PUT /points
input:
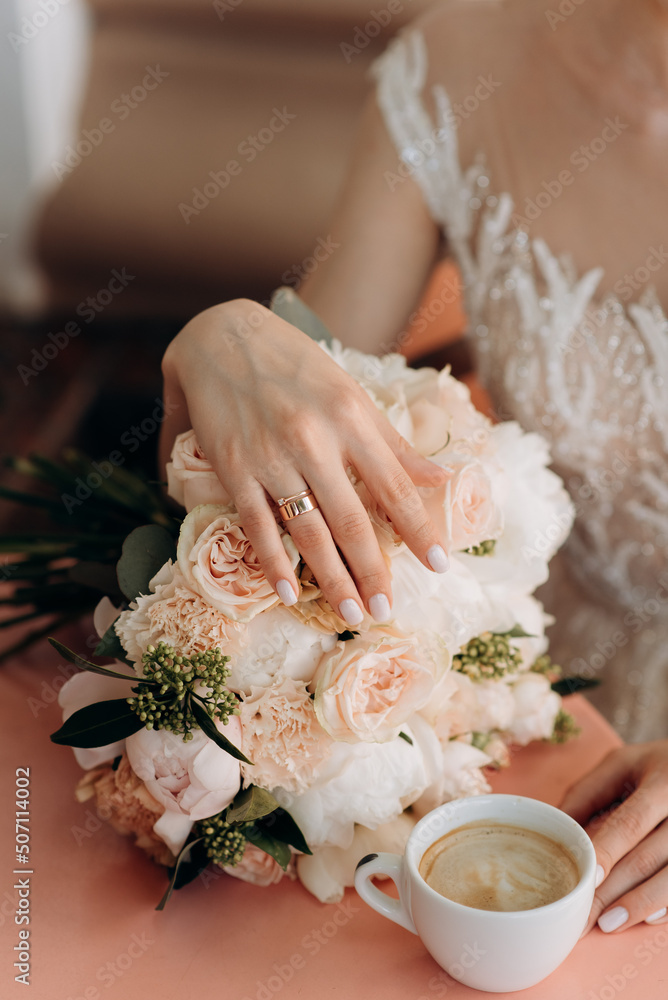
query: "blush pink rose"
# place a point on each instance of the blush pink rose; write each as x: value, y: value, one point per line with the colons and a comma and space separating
x: 471, y: 514
x: 368, y: 687
x: 219, y: 563
x: 190, y: 478
x: 259, y: 868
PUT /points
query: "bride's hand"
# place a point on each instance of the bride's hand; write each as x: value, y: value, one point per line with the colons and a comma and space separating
x: 631, y: 841
x: 274, y: 416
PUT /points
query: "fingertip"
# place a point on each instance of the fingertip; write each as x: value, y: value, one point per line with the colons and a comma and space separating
x: 438, y: 559
x: 286, y: 592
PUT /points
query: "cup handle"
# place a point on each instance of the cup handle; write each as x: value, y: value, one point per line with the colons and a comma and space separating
x: 392, y: 866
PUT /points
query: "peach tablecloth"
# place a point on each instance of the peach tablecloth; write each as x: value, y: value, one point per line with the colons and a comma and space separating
x: 94, y: 932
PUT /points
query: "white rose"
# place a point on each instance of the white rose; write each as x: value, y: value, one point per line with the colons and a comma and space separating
x: 536, y: 708
x: 276, y: 644
x: 330, y: 870
x: 192, y: 780
x: 365, y: 783
x: 85, y: 689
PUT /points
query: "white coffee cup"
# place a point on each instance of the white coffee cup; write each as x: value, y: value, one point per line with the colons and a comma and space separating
x: 496, y: 951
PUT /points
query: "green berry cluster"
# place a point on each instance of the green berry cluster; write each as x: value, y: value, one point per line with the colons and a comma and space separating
x: 224, y: 842
x: 164, y: 695
x: 544, y: 665
x: 565, y: 727
x: 487, y: 657
x: 485, y: 548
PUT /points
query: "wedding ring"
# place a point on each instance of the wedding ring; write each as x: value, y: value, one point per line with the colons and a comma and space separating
x: 297, y: 504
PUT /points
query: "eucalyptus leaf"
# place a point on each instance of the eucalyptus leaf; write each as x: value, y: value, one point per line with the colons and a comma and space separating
x: 250, y: 805
x: 287, y: 304
x: 277, y: 849
x: 98, y: 725
x: 145, y: 551
x: 94, y: 668
x: 192, y: 860
x: 208, y: 726
x: 571, y: 685
x: 281, y: 826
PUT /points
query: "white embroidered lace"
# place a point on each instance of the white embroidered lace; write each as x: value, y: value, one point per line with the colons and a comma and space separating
x: 590, y: 375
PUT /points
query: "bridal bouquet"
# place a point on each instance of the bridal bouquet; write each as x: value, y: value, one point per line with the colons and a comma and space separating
x: 272, y: 740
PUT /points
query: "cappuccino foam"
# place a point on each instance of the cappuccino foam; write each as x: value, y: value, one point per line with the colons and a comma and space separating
x: 496, y: 866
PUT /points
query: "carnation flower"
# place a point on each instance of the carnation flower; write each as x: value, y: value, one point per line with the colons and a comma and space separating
x: 369, y: 686
x: 218, y: 562
x: 175, y: 615
x: 282, y: 736
x: 190, y: 477
x: 123, y: 799
x: 259, y: 868
x: 192, y: 780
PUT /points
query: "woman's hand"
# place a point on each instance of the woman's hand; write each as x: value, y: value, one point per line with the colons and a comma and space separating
x: 631, y: 838
x: 275, y: 416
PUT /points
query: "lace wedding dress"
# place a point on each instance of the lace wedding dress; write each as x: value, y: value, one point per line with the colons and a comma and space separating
x: 589, y: 375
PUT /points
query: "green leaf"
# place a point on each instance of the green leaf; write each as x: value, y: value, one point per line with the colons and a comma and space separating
x: 516, y: 632
x: 286, y: 304
x: 277, y: 849
x: 145, y: 551
x: 94, y: 668
x: 110, y: 645
x: 192, y: 860
x: 98, y: 725
x: 281, y: 826
x: 571, y: 685
x: 405, y: 736
x: 347, y: 635
x: 251, y: 804
x: 208, y: 726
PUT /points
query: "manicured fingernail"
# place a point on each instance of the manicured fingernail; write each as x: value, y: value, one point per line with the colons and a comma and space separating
x: 613, y: 919
x: 286, y: 592
x: 659, y: 915
x: 600, y: 875
x: 350, y: 611
x: 437, y: 559
x: 379, y: 606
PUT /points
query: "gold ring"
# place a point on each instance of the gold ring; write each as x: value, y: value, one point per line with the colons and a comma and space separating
x: 290, y: 507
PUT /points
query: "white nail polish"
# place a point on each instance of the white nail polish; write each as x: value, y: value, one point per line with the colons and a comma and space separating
x: 659, y: 915
x: 613, y: 919
x: 350, y: 611
x: 600, y: 875
x: 379, y: 606
x: 286, y: 592
x: 438, y: 559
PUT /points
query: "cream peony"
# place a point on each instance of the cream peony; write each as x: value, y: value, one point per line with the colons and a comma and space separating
x: 218, y: 562
x: 367, y: 687
x: 190, y: 478
x: 536, y: 708
x: 330, y: 870
x: 191, y: 780
x: 85, y: 689
x: 458, y: 774
x: 365, y: 783
x: 282, y: 736
x: 275, y: 644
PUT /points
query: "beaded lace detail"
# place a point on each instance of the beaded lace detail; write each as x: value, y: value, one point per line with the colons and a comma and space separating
x: 589, y: 374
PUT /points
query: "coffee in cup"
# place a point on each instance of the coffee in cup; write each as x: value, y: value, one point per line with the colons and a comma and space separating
x: 497, y: 866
